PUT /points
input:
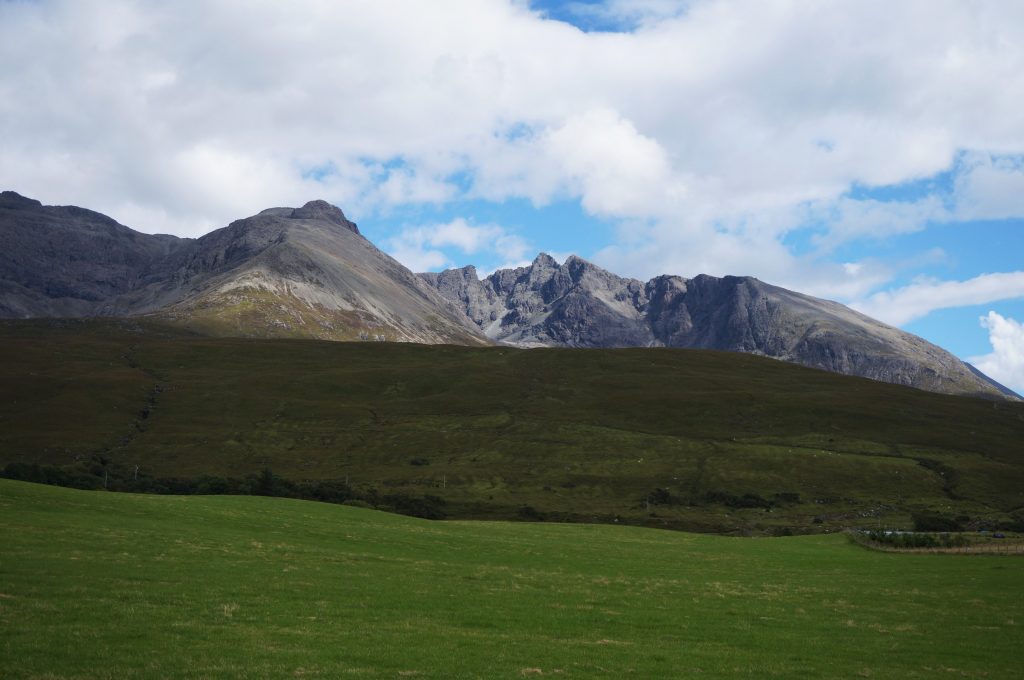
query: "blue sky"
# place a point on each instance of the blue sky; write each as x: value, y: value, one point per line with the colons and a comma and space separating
x: 865, y: 151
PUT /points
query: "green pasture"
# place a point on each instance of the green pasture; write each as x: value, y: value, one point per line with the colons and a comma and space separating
x: 115, y: 585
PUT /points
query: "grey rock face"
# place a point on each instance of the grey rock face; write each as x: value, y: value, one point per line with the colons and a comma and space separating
x: 578, y: 304
x: 68, y: 261
x: 463, y: 287
x: 303, y: 272
x: 573, y: 305
x: 324, y: 211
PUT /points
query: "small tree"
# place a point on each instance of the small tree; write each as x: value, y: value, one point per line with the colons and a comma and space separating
x: 266, y: 483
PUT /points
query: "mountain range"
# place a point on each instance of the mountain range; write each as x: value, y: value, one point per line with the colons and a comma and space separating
x: 308, y: 272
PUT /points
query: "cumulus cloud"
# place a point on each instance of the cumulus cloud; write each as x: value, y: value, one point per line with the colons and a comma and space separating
x: 597, y: 156
x: 762, y: 104
x: 699, y: 249
x: 990, y: 188
x: 423, y: 248
x: 851, y: 219
x: 1006, y: 361
x: 917, y: 300
x: 710, y: 131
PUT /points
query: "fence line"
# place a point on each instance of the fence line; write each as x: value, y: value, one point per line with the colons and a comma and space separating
x: 976, y: 549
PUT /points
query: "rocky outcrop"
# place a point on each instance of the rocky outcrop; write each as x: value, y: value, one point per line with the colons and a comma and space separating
x: 578, y: 304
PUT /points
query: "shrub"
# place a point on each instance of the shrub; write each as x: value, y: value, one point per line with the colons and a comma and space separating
x: 34, y: 472
x: 530, y: 514
x: 1015, y: 523
x: 427, y: 507
x: 327, y: 491
x: 213, y: 485
x: 929, y: 522
x: 747, y: 500
x: 265, y: 483
x: 92, y: 473
x: 660, y: 497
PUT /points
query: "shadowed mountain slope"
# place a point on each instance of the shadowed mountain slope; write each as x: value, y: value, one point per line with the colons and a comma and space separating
x: 66, y: 261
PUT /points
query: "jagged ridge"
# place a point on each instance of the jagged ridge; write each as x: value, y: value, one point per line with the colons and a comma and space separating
x: 578, y: 304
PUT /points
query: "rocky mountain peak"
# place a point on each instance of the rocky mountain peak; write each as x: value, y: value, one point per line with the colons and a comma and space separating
x: 467, y: 273
x: 322, y: 210
x: 544, y: 261
x: 12, y: 199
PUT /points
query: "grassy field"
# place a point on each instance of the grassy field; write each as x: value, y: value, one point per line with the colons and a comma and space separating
x: 105, y: 585
x: 566, y: 435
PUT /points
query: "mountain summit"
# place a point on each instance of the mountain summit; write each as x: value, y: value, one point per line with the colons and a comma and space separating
x: 308, y: 272
x: 323, y: 211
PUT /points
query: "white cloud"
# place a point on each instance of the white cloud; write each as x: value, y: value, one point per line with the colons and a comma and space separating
x: 748, y: 106
x: 403, y: 185
x: 990, y: 188
x: 710, y: 132
x: 917, y: 300
x: 417, y: 258
x: 690, y: 250
x: 849, y: 219
x: 613, y: 168
x: 1006, y: 361
x: 596, y: 156
x: 420, y: 248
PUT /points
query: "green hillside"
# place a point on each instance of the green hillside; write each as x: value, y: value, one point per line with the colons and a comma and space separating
x: 106, y: 585
x: 676, y: 438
